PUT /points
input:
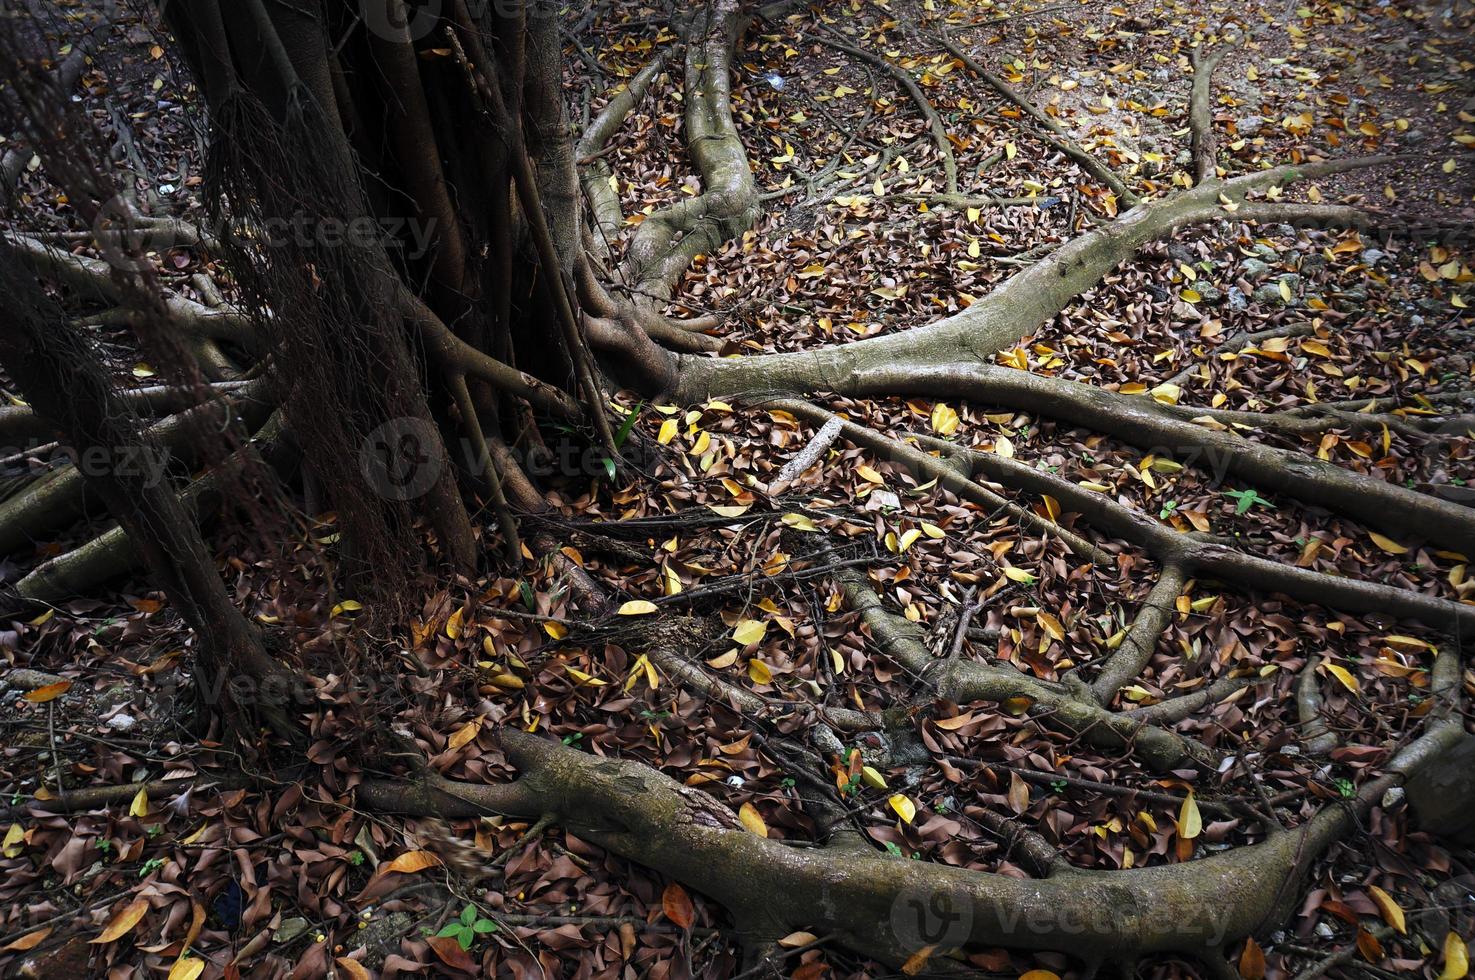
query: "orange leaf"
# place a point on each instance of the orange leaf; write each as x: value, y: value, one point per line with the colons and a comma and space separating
x: 917, y: 962
x: 677, y: 905
x: 1252, y: 961
x: 410, y: 862
x: 353, y: 969
x: 123, y: 922
x: 29, y: 941
x: 1369, y: 947
x: 48, y: 693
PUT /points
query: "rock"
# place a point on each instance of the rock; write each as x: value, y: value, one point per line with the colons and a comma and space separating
x: 1179, y: 253
x: 122, y: 722
x: 1267, y: 253
x: 1271, y: 294
x: 1372, y: 256
x: 289, y: 930
x: 1250, y: 125
x: 1254, y: 269
x: 1443, y: 794
x: 1414, y: 137
x: 1212, y: 295
x: 1237, y: 299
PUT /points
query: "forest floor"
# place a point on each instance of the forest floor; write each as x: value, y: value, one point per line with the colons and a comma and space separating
x: 291, y: 879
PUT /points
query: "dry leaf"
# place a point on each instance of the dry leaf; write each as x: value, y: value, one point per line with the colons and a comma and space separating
x: 677, y: 905
x: 123, y: 922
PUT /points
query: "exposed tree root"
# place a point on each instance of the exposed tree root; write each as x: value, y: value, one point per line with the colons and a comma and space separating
x: 1200, y: 115
x: 1172, y: 429
x: 1206, y: 556
x: 924, y: 105
x: 1011, y: 312
x: 1195, y: 909
x: 604, y: 202
x: 1054, y: 135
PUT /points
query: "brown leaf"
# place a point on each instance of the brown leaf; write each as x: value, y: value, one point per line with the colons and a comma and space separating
x: 449, y: 952
x: 677, y: 905
x: 1369, y: 947
x: 1018, y: 793
x: 1252, y: 961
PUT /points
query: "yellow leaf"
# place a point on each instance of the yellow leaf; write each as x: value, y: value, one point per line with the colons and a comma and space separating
x: 749, y: 631
x: 758, y: 672
x: 637, y: 607
x: 904, y: 807
x: 1456, y: 958
x: 465, y: 734
x: 347, y: 605
x: 587, y: 680
x: 1387, y: 544
x: 186, y: 968
x: 1018, y: 575
x: 799, y: 522
x: 13, y: 838
x: 1039, y: 975
x: 1344, y: 675
x: 453, y: 625
x: 872, y: 777
x: 1167, y: 394
x: 749, y: 817
x: 1051, y: 625
x: 1191, y: 295
x: 140, y: 805
x: 1391, y: 911
x: 1003, y: 447
x: 669, y: 428
x: 50, y: 692
x: 123, y: 922
x: 908, y: 539
x: 869, y: 475
x: 556, y: 630
x: 933, y: 531
x: 1190, y: 822
x: 944, y: 420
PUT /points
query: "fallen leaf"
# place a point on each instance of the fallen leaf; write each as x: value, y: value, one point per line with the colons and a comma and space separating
x: 637, y: 607
x: 749, y: 817
x: 50, y: 692
x: 677, y: 905
x: 123, y: 922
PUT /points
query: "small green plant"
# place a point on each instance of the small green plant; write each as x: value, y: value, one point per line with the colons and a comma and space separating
x: 1169, y: 509
x: 1057, y: 786
x: 150, y: 866
x: 470, y: 925
x: 1345, y: 787
x: 356, y: 858
x: 573, y: 739
x: 1245, y: 499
